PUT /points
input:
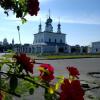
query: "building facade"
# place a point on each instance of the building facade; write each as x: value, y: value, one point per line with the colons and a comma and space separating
x: 26, y: 48
x: 5, y: 42
x: 95, y: 47
x: 48, y: 41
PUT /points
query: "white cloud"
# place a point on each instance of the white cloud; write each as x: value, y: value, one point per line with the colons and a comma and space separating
x: 28, y: 17
x: 82, y: 20
x: 1, y: 10
x: 64, y: 19
x: 4, y: 30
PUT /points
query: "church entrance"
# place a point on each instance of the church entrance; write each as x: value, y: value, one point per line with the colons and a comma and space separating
x: 61, y: 50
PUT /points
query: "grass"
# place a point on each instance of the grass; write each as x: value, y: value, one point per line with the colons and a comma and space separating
x: 70, y: 56
x: 57, y: 56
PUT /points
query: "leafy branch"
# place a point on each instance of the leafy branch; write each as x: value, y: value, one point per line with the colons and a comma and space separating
x: 20, y: 7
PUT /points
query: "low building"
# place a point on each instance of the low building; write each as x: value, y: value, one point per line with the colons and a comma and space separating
x: 5, y: 42
x: 96, y: 47
x: 77, y: 49
x: 0, y: 42
x: 26, y: 48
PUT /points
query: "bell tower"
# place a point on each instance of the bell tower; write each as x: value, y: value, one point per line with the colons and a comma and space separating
x: 40, y: 27
x: 48, y: 26
x: 59, y: 27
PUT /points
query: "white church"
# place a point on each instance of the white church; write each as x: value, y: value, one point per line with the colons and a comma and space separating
x: 48, y: 41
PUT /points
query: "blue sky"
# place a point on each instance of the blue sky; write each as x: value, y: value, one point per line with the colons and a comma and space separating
x: 80, y: 20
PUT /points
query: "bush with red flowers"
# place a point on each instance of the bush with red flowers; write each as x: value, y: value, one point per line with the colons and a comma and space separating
x: 25, y: 62
x: 46, y: 72
x: 73, y: 71
x: 20, y: 72
x: 71, y: 88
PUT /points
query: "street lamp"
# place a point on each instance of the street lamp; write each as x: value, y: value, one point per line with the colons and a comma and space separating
x: 18, y: 28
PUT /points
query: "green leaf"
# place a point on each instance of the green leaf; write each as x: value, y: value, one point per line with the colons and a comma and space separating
x: 1, y: 66
x: 36, y: 78
x: 23, y: 20
x: 21, y: 2
x: 20, y: 68
x: 13, y: 83
x: 25, y: 13
x: 8, y: 97
x: 49, y: 96
x: 31, y: 91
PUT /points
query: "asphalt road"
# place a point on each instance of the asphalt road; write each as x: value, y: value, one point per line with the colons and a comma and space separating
x: 84, y: 65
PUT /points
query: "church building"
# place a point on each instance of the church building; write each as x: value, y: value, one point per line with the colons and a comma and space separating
x: 48, y: 41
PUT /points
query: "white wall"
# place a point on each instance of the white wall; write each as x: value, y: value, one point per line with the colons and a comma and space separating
x: 96, y: 47
x: 44, y: 37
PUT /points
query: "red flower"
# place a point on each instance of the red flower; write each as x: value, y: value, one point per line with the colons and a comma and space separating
x: 73, y: 71
x: 33, y: 7
x: 25, y: 62
x: 71, y: 91
x: 1, y: 96
x: 46, y: 72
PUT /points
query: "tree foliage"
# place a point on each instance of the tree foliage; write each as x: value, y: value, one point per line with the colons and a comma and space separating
x: 20, y: 7
x: 19, y: 78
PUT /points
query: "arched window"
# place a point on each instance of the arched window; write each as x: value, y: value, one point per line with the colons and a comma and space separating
x: 49, y: 40
x: 96, y: 50
x: 55, y: 40
x: 60, y: 40
x: 41, y: 40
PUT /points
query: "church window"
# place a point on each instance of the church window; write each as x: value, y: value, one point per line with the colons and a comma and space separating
x: 29, y: 49
x: 65, y: 48
x: 49, y: 40
x: 41, y: 40
x: 60, y: 40
x: 55, y: 40
x: 96, y: 50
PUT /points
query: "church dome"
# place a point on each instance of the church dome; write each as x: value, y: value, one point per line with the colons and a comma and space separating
x: 49, y: 20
